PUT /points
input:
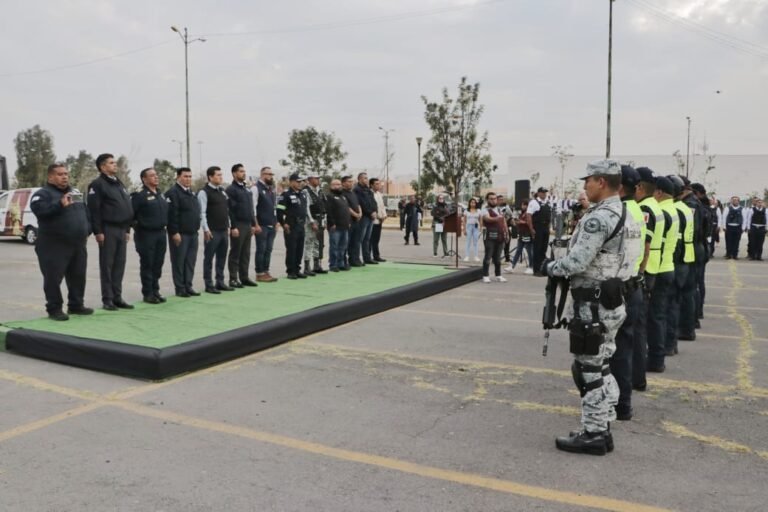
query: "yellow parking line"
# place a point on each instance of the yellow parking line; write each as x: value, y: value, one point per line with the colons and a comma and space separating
x: 718, y: 442
x: 468, y: 315
x: 50, y: 420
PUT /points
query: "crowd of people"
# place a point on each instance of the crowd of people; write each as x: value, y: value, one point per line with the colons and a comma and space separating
x: 230, y: 219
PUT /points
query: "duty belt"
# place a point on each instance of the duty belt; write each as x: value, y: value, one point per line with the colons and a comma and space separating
x: 585, y: 294
x: 758, y: 225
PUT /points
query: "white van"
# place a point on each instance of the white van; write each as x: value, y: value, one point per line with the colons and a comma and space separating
x: 16, y: 218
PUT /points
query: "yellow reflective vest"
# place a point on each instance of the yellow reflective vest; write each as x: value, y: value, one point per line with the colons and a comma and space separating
x: 634, y: 210
x: 686, y: 237
x: 670, y: 238
x: 657, y: 235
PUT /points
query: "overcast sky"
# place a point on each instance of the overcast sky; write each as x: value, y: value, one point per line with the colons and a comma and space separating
x: 350, y: 66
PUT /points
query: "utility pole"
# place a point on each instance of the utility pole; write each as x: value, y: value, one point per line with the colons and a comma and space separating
x: 418, y: 166
x: 688, y: 147
x: 386, y: 158
x: 610, y: 57
x: 185, y: 39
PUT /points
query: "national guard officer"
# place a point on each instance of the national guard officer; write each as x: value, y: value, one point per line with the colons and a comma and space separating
x: 313, y: 227
x: 63, y: 229
x: 111, y: 217
x: 292, y: 214
x: 242, y: 219
x: 603, y: 252
x: 183, y: 227
x: 150, y: 210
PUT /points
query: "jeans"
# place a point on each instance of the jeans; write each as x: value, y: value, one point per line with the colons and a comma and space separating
x: 528, y: 246
x: 216, y: 248
x: 473, y: 235
x: 493, y: 250
x: 264, y: 243
x: 366, y: 228
x: 339, y: 239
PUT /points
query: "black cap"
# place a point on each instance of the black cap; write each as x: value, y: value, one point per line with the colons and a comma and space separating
x: 699, y: 188
x: 541, y: 189
x: 296, y: 177
x: 665, y: 185
x: 629, y: 176
x: 646, y: 175
x: 677, y: 183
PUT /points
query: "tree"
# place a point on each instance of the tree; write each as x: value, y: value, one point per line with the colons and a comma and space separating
x: 456, y: 153
x: 535, y: 175
x: 124, y: 172
x: 82, y: 169
x: 679, y: 161
x: 166, y: 173
x: 426, y: 185
x: 310, y: 150
x: 34, y: 153
x: 563, y: 154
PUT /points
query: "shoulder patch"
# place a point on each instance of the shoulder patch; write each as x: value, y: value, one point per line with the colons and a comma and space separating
x: 92, y: 191
x: 592, y: 225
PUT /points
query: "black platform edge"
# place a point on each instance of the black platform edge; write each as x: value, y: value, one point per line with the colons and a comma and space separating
x: 156, y: 364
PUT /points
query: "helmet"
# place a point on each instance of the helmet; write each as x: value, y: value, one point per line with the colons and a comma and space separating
x: 678, y: 183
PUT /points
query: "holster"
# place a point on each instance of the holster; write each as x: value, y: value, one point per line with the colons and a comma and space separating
x: 586, y: 336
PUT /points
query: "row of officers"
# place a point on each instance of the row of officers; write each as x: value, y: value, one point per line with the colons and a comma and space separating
x: 229, y: 219
x: 636, y: 267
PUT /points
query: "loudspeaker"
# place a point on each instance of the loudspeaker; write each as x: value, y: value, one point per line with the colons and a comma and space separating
x: 522, y: 191
x: 5, y: 183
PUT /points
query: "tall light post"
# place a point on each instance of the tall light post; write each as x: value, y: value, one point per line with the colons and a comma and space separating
x: 418, y: 166
x: 610, y: 57
x: 180, y: 143
x: 200, y: 148
x: 185, y: 39
x: 386, y: 160
x: 688, y: 146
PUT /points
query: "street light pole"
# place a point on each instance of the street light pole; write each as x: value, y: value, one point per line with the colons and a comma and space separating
x: 180, y: 143
x: 386, y: 160
x: 688, y: 146
x: 185, y: 39
x: 418, y: 166
x: 610, y: 59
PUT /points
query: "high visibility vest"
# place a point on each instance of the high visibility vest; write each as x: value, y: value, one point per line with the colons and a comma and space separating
x: 689, y: 255
x: 657, y: 236
x: 634, y: 209
x: 670, y: 241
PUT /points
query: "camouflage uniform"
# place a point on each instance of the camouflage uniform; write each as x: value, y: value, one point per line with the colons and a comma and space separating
x: 592, y: 259
x: 311, y: 243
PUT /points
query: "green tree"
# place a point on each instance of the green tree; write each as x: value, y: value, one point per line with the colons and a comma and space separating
x: 124, y: 172
x: 82, y: 169
x: 426, y: 185
x: 310, y: 150
x: 34, y: 153
x: 166, y: 173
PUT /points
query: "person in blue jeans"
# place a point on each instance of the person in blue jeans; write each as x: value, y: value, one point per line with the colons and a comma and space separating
x: 472, y: 229
x: 339, y: 217
x: 264, y: 201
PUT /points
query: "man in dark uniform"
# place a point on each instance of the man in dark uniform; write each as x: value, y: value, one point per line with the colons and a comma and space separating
x: 756, y: 230
x: 733, y: 220
x: 292, y: 214
x: 313, y: 227
x: 63, y: 229
x: 150, y: 211
x: 709, y: 222
x: 541, y: 214
x: 214, y: 219
x: 356, y: 213
x: 183, y: 225
x: 111, y: 218
x: 689, y: 306
x: 242, y: 220
x: 412, y: 213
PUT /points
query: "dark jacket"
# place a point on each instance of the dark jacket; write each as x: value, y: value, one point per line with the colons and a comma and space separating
x: 183, y: 211
x: 150, y: 210
x: 411, y: 212
x: 292, y: 208
x: 240, y: 204
x: 439, y: 213
x: 337, y: 209
x: 366, y: 200
x: 54, y: 221
x: 352, y: 201
x: 265, y: 205
x: 109, y: 203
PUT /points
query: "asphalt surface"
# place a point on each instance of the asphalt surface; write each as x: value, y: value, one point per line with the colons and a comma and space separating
x: 442, y: 404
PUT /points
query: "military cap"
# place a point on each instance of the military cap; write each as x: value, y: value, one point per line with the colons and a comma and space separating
x: 699, y: 188
x: 665, y: 185
x: 606, y: 167
x: 646, y: 175
x: 296, y: 177
x: 313, y: 175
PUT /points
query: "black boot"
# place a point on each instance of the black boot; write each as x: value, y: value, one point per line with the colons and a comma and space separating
x: 584, y: 442
x: 318, y: 267
x: 307, y: 269
x: 608, y: 438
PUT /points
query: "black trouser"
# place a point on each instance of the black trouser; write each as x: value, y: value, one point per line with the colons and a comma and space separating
x: 217, y: 246
x: 59, y: 260
x: 640, y: 354
x: 183, y: 259
x: 375, y: 239
x: 320, y: 234
x: 112, y: 263
x: 657, y: 318
x: 151, y: 246
x: 402, y: 221
x: 493, y: 248
x: 294, y: 248
x: 756, y: 241
x: 732, y: 240
x: 675, y: 304
x: 540, y: 242
x: 686, y: 325
x: 355, y: 241
x: 701, y: 287
x: 240, y: 252
x: 412, y: 226
x: 627, y: 345
x: 506, y: 247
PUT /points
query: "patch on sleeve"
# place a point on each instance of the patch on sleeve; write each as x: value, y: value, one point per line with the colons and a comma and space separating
x: 592, y: 225
x: 91, y: 192
x: 36, y: 198
x: 646, y: 216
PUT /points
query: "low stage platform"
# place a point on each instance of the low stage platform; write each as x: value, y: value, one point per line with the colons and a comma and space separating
x: 159, y: 341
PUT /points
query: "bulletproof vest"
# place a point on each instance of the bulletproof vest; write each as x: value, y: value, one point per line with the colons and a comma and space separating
x: 316, y: 203
x: 543, y: 217
x: 657, y: 236
x: 634, y: 210
x: 265, y: 207
x: 670, y: 237
x: 217, y: 210
x: 758, y: 217
x: 686, y: 237
x: 734, y: 216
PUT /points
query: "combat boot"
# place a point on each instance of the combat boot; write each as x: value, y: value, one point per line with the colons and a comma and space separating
x: 308, y: 269
x: 607, y: 434
x: 319, y: 267
x: 584, y: 442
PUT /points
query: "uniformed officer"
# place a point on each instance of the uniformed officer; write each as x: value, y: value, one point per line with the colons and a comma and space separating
x: 733, y: 224
x: 630, y: 338
x: 150, y: 211
x: 314, y: 226
x: 214, y: 219
x: 183, y: 227
x: 603, y: 253
x: 541, y: 214
x: 694, y: 251
x: 755, y: 224
x: 111, y: 218
x: 708, y: 219
x: 684, y: 259
x: 63, y: 229
x: 242, y: 219
x: 292, y: 215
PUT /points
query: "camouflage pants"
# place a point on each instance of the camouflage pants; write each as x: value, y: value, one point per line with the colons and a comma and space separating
x: 311, y: 243
x: 597, y: 405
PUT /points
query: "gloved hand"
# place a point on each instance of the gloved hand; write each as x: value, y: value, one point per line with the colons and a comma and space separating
x: 544, y: 271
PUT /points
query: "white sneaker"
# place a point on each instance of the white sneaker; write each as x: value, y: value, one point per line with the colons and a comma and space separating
x: 529, y: 271
x: 466, y: 258
x: 486, y: 279
x: 501, y: 279
x: 509, y: 269
x: 477, y: 259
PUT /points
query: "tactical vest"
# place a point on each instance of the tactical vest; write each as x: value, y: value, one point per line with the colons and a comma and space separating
x: 217, y: 209
x: 634, y: 210
x: 543, y: 216
x: 657, y: 236
x: 316, y: 204
x: 689, y: 256
x: 265, y: 207
x: 734, y: 216
x: 758, y: 217
x: 670, y: 240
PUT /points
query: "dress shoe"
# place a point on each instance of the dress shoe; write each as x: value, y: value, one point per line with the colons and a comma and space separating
x: 151, y: 299
x: 416, y: 243
x: 334, y: 269
x: 184, y: 295
x: 640, y: 387
x: 59, y: 316
x: 344, y: 268
x: 301, y: 275
x: 82, y: 310
x: 356, y: 264
x: 656, y: 369
x: 193, y: 293
x: 380, y: 260
x: 608, y: 438
x: 308, y: 272
x: 292, y: 276
x: 584, y: 442
x: 248, y: 282
x: 224, y: 288
x: 160, y: 298
x: 213, y: 290
x: 406, y: 242
x: 319, y: 270
x: 122, y: 304
x: 109, y: 306
x: 371, y: 262
x: 687, y: 337
x: 235, y: 284
x: 266, y: 278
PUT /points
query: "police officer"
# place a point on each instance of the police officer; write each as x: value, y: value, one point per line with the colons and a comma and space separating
x: 708, y: 219
x: 150, y: 211
x: 111, y: 218
x: 755, y: 224
x: 733, y: 224
x: 214, y: 219
x: 630, y: 338
x: 684, y: 259
x: 541, y: 214
x: 694, y: 250
x: 292, y: 214
x: 603, y: 253
x: 314, y: 226
x: 63, y: 229
x: 183, y: 227
x: 242, y: 219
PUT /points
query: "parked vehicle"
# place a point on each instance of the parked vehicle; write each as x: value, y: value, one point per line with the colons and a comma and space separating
x: 16, y: 217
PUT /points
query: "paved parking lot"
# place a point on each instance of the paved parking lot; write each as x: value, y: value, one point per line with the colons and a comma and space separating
x: 442, y: 404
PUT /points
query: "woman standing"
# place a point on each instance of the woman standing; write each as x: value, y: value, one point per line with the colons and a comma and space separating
x: 472, y: 229
x: 439, y: 213
x: 525, y: 234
